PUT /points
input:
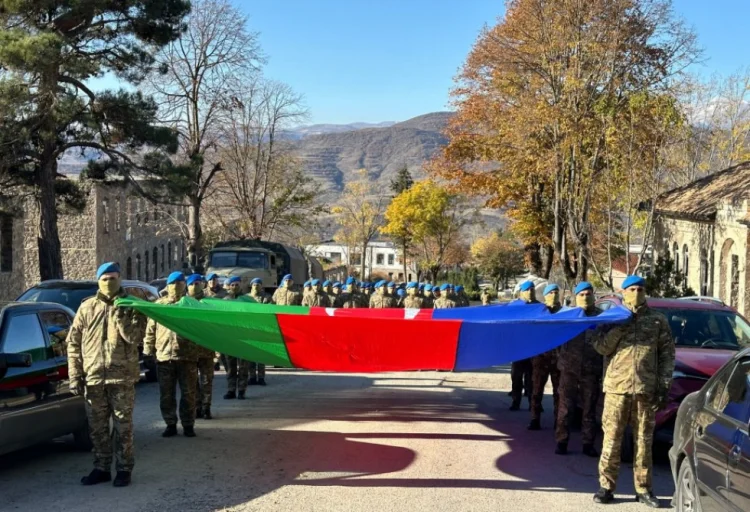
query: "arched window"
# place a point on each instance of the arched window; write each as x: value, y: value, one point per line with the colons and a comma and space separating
x: 117, y: 214
x: 685, y: 259
x: 156, y: 212
x: 146, y: 266
x: 129, y: 268
x: 138, y: 267
x: 155, y: 263
x: 705, y: 274
x: 105, y: 215
x: 163, y: 258
x: 676, y: 252
x: 169, y: 254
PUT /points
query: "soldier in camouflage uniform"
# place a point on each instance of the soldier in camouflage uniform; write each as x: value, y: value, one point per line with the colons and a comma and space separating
x: 102, y: 348
x: 443, y: 301
x: 257, y: 371
x: 428, y: 302
x: 462, y: 301
x: 177, y: 363
x: 328, y: 290
x: 521, y: 371
x: 413, y: 300
x: 381, y: 300
x: 350, y: 298
x: 205, y: 387
x: 285, y: 295
x: 335, y: 292
x: 214, y: 289
x: 237, y: 369
x: 316, y: 298
x: 640, y: 360
x: 486, y: 297
x: 580, y: 376
x: 544, y: 366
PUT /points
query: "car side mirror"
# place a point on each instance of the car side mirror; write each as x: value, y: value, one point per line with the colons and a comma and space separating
x: 15, y: 361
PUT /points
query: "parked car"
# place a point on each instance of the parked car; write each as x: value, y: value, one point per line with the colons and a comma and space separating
x: 35, y: 401
x: 710, y: 456
x: 706, y: 335
x: 72, y: 293
x: 705, y: 298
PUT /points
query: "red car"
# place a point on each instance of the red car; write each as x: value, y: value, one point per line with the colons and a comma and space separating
x: 707, y: 335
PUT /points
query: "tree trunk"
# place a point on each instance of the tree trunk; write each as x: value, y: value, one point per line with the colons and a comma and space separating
x: 48, y: 242
x: 196, y: 234
x: 547, y: 257
x: 533, y: 258
x: 364, y: 261
x: 403, y: 247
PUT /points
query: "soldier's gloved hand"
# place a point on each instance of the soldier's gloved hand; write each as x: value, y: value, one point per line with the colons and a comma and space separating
x: 76, y: 387
x: 661, y: 401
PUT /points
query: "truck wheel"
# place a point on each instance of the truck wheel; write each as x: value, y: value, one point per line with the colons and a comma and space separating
x: 82, y: 439
x: 627, y: 450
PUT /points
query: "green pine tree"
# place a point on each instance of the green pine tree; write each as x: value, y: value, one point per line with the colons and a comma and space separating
x: 403, y: 181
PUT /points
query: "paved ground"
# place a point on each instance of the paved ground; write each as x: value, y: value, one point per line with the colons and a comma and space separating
x: 331, y: 442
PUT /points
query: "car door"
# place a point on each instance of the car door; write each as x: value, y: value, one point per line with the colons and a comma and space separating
x: 739, y: 454
x: 24, y: 392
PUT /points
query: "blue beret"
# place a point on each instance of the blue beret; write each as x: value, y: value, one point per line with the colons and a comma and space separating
x: 210, y: 276
x: 400, y: 292
x: 337, y: 285
x: 391, y: 285
x: 233, y: 279
x: 326, y: 283
x: 287, y: 277
x: 411, y: 285
x: 421, y: 286
x: 175, y: 277
x: 633, y: 281
x: 256, y: 280
x: 526, y: 286
x: 194, y: 278
x: 350, y: 280
x: 444, y: 287
x: 551, y: 288
x: 106, y: 268
x: 315, y: 282
x: 459, y: 288
x: 307, y: 283
x: 583, y: 285
x: 379, y: 284
x: 428, y: 287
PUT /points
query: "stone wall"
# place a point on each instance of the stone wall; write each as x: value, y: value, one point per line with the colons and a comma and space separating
x: 12, y: 282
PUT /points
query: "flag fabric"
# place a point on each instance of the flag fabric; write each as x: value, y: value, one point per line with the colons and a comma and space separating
x: 373, y: 340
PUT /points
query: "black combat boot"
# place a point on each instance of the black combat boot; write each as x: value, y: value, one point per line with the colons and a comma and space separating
x: 230, y: 395
x: 240, y: 395
x: 261, y: 382
x: 252, y: 381
x: 534, y: 425
x: 603, y: 496
x: 122, y: 479
x: 207, y: 413
x: 97, y: 476
x: 562, y: 449
x: 648, y: 499
x: 516, y: 405
x: 588, y: 449
x: 199, y: 412
x: 188, y: 431
x: 170, y: 431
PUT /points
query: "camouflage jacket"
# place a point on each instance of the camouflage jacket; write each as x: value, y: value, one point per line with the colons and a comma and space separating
x: 413, y: 302
x: 203, y: 352
x: 349, y: 300
x: 486, y: 299
x: 286, y: 297
x: 103, y: 343
x: 462, y: 301
x: 578, y: 355
x: 640, y: 354
x: 166, y: 345
x: 219, y: 293
x: 382, y: 302
x: 260, y: 298
x: 444, y: 303
x: 316, y: 300
x: 428, y: 302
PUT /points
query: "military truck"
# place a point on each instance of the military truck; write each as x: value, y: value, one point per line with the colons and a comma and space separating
x: 249, y: 259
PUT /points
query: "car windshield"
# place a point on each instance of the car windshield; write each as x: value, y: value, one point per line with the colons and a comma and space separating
x: 246, y: 259
x: 708, y: 328
x: 70, y: 297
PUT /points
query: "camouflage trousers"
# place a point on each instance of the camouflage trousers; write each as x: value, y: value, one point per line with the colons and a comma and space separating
x: 544, y: 366
x: 257, y: 370
x: 172, y: 374
x: 237, y: 370
x: 619, y: 412
x: 205, y: 388
x: 115, y: 402
x: 520, y: 377
x: 587, y: 386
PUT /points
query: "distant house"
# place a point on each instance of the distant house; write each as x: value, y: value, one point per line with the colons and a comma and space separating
x: 620, y: 269
x: 704, y: 228
x: 381, y: 258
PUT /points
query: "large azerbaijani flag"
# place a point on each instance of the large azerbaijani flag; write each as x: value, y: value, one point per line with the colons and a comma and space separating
x: 373, y: 340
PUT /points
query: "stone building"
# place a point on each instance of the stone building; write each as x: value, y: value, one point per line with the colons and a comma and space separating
x: 704, y: 227
x: 116, y: 225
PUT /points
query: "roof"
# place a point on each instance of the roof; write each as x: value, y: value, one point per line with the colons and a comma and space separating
x: 699, y: 200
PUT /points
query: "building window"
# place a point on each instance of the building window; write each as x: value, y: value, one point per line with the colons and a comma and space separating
x: 335, y: 257
x: 685, y: 260
x: 169, y: 253
x: 391, y: 259
x: 155, y: 263
x: 146, y: 266
x: 705, y: 275
x: 401, y: 276
x: 129, y: 268
x: 676, y: 252
x: 356, y: 259
x: 105, y: 215
x: 6, y: 243
x: 163, y: 258
x: 138, y: 267
x: 379, y: 259
x: 117, y: 214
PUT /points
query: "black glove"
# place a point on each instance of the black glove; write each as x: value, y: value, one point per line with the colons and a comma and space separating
x: 662, y: 398
x: 76, y: 387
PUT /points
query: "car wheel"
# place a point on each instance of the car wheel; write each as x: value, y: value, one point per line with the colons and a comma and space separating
x: 82, y: 439
x: 627, y: 449
x: 688, y: 498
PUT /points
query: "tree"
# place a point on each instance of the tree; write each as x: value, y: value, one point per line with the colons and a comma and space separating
x: 427, y: 214
x: 498, y: 256
x: 667, y: 281
x: 403, y: 182
x: 48, y: 51
x: 199, y: 76
x: 360, y: 215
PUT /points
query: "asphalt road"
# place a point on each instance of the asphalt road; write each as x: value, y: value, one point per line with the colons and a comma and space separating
x: 421, y: 441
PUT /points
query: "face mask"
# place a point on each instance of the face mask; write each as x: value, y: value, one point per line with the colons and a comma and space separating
x: 288, y: 284
x: 234, y: 289
x: 110, y: 287
x: 195, y: 289
x: 316, y: 288
x: 255, y: 289
x: 336, y: 291
x: 176, y: 290
x: 411, y: 292
x: 634, y: 297
x: 350, y: 288
x: 552, y: 299
x: 584, y: 301
x: 527, y: 296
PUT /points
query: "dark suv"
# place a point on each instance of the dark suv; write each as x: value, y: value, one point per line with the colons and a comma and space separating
x: 72, y: 293
x: 35, y: 401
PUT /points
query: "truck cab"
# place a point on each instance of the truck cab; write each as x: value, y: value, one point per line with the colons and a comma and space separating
x: 245, y: 262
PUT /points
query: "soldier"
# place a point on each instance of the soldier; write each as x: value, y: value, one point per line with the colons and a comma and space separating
x: 328, y: 289
x: 336, y: 291
x: 401, y: 294
x: 390, y: 289
x: 177, y: 364
x: 640, y: 360
x: 205, y: 386
x: 367, y: 290
x: 316, y: 297
x: 462, y: 301
x: 580, y: 375
x: 443, y: 302
x: 306, y: 289
x: 237, y: 369
x: 257, y: 371
x: 214, y: 289
x: 428, y: 302
x: 436, y: 293
x: 349, y: 298
x: 544, y: 366
x: 485, y: 296
x: 413, y: 300
x: 381, y: 299
x: 103, y: 366
x: 521, y: 371
x: 285, y: 295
